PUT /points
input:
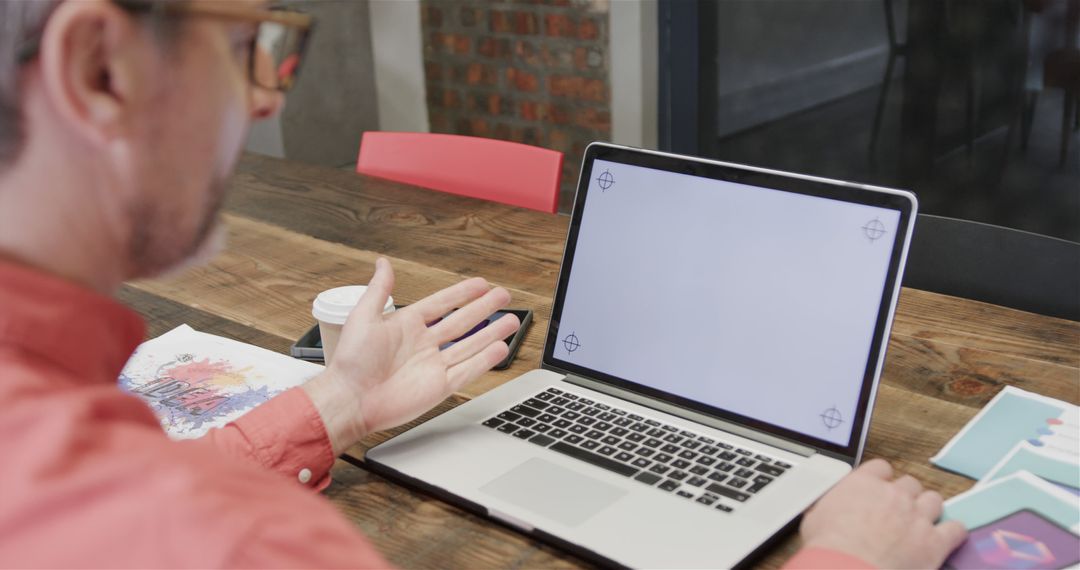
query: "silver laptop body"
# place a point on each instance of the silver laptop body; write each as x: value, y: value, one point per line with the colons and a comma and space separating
x: 715, y: 345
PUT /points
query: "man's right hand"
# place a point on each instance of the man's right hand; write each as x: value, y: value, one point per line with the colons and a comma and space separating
x: 886, y: 522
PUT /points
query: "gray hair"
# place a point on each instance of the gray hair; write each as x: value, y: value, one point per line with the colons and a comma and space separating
x: 20, y: 22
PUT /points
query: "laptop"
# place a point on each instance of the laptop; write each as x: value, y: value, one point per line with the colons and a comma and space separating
x: 715, y: 344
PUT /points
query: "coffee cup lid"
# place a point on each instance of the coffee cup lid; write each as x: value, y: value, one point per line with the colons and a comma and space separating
x: 333, y: 305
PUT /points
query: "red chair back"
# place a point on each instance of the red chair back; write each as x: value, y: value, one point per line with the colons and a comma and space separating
x: 501, y: 171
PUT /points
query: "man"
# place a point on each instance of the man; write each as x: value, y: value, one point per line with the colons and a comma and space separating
x: 119, y: 122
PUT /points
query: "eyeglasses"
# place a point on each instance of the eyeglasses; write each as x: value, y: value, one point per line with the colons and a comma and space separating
x: 277, y: 48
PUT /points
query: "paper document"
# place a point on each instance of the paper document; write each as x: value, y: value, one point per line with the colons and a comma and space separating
x: 196, y: 381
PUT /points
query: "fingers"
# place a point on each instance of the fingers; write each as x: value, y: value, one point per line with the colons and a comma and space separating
x: 951, y: 535
x: 928, y: 503
x: 472, y: 368
x: 382, y: 283
x: 464, y: 319
x: 878, y: 468
x: 909, y: 485
x: 441, y: 302
x: 495, y: 332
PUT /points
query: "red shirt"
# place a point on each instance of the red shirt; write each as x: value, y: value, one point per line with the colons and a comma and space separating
x: 90, y: 479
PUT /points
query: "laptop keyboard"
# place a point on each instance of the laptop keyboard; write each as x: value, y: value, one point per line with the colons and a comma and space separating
x: 712, y: 473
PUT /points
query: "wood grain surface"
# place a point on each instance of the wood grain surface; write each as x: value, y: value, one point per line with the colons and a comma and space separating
x: 295, y: 230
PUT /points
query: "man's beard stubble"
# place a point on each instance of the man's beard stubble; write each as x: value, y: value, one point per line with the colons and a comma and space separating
x: 154, y: 250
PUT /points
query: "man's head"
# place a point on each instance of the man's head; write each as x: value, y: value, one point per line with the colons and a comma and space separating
x: 144, y: 103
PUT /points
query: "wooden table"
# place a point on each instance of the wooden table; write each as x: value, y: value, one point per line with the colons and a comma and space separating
x: 298, y: 229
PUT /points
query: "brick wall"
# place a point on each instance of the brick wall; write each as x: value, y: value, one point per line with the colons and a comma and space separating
x: 530, y: 71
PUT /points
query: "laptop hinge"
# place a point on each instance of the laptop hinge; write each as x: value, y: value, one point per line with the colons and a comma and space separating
x: 692, y: 416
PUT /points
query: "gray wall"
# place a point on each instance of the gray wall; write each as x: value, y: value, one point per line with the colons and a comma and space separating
x: 778, y: 57
x: 334, y: 100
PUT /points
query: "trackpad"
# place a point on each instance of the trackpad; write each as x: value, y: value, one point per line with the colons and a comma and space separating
x: 554, y: 492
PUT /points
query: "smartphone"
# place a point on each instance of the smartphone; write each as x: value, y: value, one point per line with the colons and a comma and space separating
x: 309, y: 346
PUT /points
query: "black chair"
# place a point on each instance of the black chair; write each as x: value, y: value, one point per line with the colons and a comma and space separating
x: 1003, y: 266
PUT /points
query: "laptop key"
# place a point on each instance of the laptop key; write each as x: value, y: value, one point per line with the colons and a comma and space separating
x: 602, y: 426
x: 645, y: 451
x: 534, y: 403
x: 558, y: 433
x: 571, y: 415
x: 691, y: 444
x: 570, y: 396
x: 555, y: 410
x: 619, y: 432
x: 590, y: 411
x: 746, y: 462
x: 623, y: 422
x: 708, y: 450
x: 725, y: 467
x: 635, y: 417
x: 653, y: 423
x: 525, y: 411
x: 673, y: 438
x: 606, y: 450
x: 573, y: 438
x: 561, y: 423
x: 706, y: 460
x: 633, y: 436
x: 659, y: 468
x: 699, y: 470
x: 742, y: 451
x: 706, y: 440
x: 669, y: 485
x: 687, y: 454
x: 670, y: 428
x: 507, y: 428
x: 611, y: 440
x: 723, y: 507
x: 717, y: 476
x: 647, y: 478
x: 723, y: 445
x: 627, y: 445
x: 695, y: 481
x: 560, y: 401
x: 678, y: 475
x: 577, y: 428
x: 725, y: 491
x: 586, y: 421
x: 493, y: 422
x: 545, y: 396
x: 744, y: 473
x: 546, y: 418
x: 727, y: 455
x: 524, y: 433
x: 782, y: 465
x: 670, y: 448
x: 618, y: 412
x: 594, y: 459
x: 542, y: 440
x: 706, y: 500
x: 603, y: 406
x: 509, y: 416
x: 575, y: 406
x: 606, y: 417
x: 554, y: 390
x: 653, y: 442
x: 526, y: 422
x: 737, y: 483
x: 642, y: 463
x: 687, y: 433
x: 763, y: 459
x: 684, y: 494
x: 594, y: 434
x: 662, y: 457
x: 542, y: 428
x: 655, y: 432
x: 767, y: 469
x: 680, y: 464
x: 624, y: 456
x: 590, y: 444
x: 586, y: 401
x: 754, y: 488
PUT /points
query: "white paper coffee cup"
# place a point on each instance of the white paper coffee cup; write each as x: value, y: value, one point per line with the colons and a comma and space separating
x: 332, y: 307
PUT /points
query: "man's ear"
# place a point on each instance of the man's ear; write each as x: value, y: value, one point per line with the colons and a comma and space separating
x: 91, y: 58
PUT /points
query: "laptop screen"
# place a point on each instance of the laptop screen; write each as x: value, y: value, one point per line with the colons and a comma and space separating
x: 756, y: 302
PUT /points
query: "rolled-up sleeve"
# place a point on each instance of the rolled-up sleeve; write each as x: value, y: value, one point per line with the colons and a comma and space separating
x: 285, y: 435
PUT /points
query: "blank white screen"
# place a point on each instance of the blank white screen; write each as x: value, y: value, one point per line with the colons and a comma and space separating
x: 755, y: 301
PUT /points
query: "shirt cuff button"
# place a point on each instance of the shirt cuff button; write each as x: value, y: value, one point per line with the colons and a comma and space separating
x: 304, y: 476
